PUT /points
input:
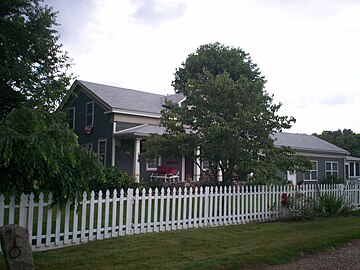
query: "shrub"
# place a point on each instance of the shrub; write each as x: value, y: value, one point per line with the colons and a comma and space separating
x: 114, y: 179
x: 333, y: 179
x: 296, y: 207
x: 330, y: 204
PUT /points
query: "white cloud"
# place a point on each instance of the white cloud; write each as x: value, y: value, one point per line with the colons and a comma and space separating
x: 155, y: 12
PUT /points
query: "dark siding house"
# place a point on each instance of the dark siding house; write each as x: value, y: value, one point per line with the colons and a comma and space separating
x: 114, y: 122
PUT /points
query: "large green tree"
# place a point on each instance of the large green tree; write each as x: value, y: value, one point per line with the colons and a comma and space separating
x: 38, y: 151
x: 227, y: 114
x: 33, y: 68
x: 346, y: 139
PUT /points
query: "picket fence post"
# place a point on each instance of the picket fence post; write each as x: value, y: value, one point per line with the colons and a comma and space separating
x: 206, y: 207
x: 129, y: 211
x: 23, y: 211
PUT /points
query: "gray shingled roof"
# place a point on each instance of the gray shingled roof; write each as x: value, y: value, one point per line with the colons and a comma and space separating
x: 127, y: 99
x: 306, y: 142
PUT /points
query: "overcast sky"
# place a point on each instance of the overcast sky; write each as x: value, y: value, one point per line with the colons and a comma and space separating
x: 308, y: 50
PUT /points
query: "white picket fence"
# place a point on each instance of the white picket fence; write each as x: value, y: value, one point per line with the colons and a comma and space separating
x: 135, y: 212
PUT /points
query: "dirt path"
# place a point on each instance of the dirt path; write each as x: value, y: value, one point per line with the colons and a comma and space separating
x: 346, y: 257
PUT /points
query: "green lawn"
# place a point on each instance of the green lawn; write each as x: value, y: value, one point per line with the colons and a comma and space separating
x: 229, y: 247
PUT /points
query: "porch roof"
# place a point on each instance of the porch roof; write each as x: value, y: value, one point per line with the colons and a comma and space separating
x: 140, y: 131
x: 351, y: 158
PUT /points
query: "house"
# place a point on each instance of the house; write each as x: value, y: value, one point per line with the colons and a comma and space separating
x: 114, y: 122
x: 326, y: 159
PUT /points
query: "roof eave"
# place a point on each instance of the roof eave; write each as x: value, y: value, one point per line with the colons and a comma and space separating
x: 136, y: 113
x: 303, y: 149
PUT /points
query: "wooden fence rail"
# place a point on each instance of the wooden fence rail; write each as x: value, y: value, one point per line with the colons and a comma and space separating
x: 139, y: 211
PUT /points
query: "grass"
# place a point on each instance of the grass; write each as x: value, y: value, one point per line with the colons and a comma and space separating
x: 230, y: 247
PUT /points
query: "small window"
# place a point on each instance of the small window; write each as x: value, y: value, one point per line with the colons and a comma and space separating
x: 88, y: 146
x: 312, y: 175
x: 152, y: 164
x: 205, y: 165
x: 71, y: 118
x: 90, y: 113
x: 331, y: 168
x: 102, y: 150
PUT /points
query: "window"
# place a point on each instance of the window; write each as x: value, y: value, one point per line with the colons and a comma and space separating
x: 102, y: 150
x: 71, y: 118
x: 331, y: 168
x: 151, y: 165
x: 205, y: 165
x: 88, y: 146
x: 354, y: 169
x: 90, y: 113
x: 312, y: 175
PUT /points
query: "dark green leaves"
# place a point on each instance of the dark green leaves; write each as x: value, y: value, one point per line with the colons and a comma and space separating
x: 41, y: 153
x: 33, y: 67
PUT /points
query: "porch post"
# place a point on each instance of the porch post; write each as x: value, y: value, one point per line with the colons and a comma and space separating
x: 136, y: 160
x: 219, y: 176
x: 196, y: 167
x: 183, y: 169
x: 113, y: 143
x: 113, y: 151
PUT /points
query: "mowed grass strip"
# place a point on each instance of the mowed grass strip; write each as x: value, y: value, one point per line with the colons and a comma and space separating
x: 228, y: 247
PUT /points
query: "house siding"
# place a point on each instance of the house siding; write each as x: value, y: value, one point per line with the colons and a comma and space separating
x: 102, y: 128
x: 321, y: 168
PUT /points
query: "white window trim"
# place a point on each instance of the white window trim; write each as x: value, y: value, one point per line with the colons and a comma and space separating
x: 151, y: 168
x: 92, y: 115
x: 317, y: 172
x: 331, y: 171
x: 99, y: 141
x: 73, y: 126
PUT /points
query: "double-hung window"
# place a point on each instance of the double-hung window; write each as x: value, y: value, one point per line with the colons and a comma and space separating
x: 331, y: 168
x: 89, y: 114
x: 312, y: 175
x: 151, y: 165
x: 354, y: 169
x: 71, y: 118
x: 102, y: 150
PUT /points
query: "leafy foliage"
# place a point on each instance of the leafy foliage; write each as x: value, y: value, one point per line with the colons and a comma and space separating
x: 114, y: 179
x: 37, y: 149
x: 33, y: 67
x: 227, y: 114
x: 346, y: 139
x: 330, y: 204
x: 42, y: 153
